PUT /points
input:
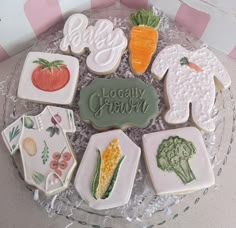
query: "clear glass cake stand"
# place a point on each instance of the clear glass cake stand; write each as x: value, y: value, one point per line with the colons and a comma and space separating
x: 144, y: 209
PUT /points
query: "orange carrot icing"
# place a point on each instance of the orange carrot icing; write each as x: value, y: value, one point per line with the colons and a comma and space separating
x: 143, y: 42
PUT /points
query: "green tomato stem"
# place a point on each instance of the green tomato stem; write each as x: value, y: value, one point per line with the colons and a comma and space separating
x: 49, y: 65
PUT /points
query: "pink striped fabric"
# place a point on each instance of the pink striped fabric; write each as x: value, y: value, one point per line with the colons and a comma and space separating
x: 136, y: 4
x: 194, y: 21
x: 3, y: 54
x: 42, y: 14
x: 101, y: 3
x: 232, y: 54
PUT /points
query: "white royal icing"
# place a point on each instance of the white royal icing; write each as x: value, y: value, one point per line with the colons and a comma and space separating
x: 38, y: 153
x: 167, y: 181
x: 122, y: 189
x: 185, y: 85
x: 28, y: 91
x: 106, y: 45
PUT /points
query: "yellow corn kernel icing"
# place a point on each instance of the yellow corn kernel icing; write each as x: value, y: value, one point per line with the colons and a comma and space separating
x: 109, y: 161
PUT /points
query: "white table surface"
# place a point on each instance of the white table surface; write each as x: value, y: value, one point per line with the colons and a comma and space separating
x: 19, y: 210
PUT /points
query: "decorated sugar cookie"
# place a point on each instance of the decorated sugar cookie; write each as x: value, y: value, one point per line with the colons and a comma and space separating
x: 118, y: 103
x: 47, y: 157
x: 190, y: 82
x: 177, y: 161
x: 108, y: 165
x: 49, y: 78
x: 106, y: 44
x: 107, y: 171
x: 143, y: 39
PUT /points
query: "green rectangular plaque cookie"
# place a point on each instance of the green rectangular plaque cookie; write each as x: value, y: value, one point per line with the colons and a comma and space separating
x: 118, y: 103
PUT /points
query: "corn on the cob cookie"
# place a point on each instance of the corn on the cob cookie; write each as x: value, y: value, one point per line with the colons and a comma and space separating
x: 106, y: 174
x: 108, y: 164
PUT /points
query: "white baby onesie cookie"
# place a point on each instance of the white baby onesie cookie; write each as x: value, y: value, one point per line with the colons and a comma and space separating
x: 105, y: 44
x: 177, y: 161
x: 107, y: 171
x: 191, y: 79
x: 47, y: 157
x: 49, y: 78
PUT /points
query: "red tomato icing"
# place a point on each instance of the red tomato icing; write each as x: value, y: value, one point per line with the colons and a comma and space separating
x: 48, y: 81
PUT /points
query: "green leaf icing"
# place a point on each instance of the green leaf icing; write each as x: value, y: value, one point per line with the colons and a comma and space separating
x: 14, y: 132
x: 109, y: 103
x: 38, y: 178
x: 145, y: 17
x: 96, y: 176
x: 70, y: 116
x: 113, y: 180
x: 57, y: 130
x: 28, y: 122
x: 13, y: 147
x: 184, y: 61
x: 53, y: 130
x: 173, y: 156
x: 45, y: 153
x: 49, y: 65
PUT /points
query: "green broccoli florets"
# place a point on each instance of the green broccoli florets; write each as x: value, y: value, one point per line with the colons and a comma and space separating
x: 173, y: 155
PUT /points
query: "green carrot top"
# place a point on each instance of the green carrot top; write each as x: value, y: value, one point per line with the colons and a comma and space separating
x: 184, y: 61
x: 145, y: 17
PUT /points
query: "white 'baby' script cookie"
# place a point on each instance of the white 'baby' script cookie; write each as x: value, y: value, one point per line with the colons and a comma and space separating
x: 107, y: 171
x: 105, y: 44
x: 191, y: 78
x: 177, y: 161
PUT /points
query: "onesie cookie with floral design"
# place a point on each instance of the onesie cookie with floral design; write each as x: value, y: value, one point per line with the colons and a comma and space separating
x: 47, y: 157
x: 106, y: 44
x: 49, y: 78
x: 191, y: 77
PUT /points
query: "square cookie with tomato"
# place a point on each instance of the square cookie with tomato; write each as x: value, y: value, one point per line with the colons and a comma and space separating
x: 177, y: 161
x: 49, y: 78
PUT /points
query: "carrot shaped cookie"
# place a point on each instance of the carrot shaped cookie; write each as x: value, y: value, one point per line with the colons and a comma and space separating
x: 143, y: 39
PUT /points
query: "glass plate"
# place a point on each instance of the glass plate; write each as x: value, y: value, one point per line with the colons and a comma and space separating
x: 144, y: 207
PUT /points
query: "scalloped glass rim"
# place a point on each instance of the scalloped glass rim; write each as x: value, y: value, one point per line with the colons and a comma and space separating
x: 144, y: 207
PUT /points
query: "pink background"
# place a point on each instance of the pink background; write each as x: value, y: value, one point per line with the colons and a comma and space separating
x: 36, y: 16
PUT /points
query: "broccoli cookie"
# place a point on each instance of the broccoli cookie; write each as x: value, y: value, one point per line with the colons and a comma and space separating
x: 177, y: 161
